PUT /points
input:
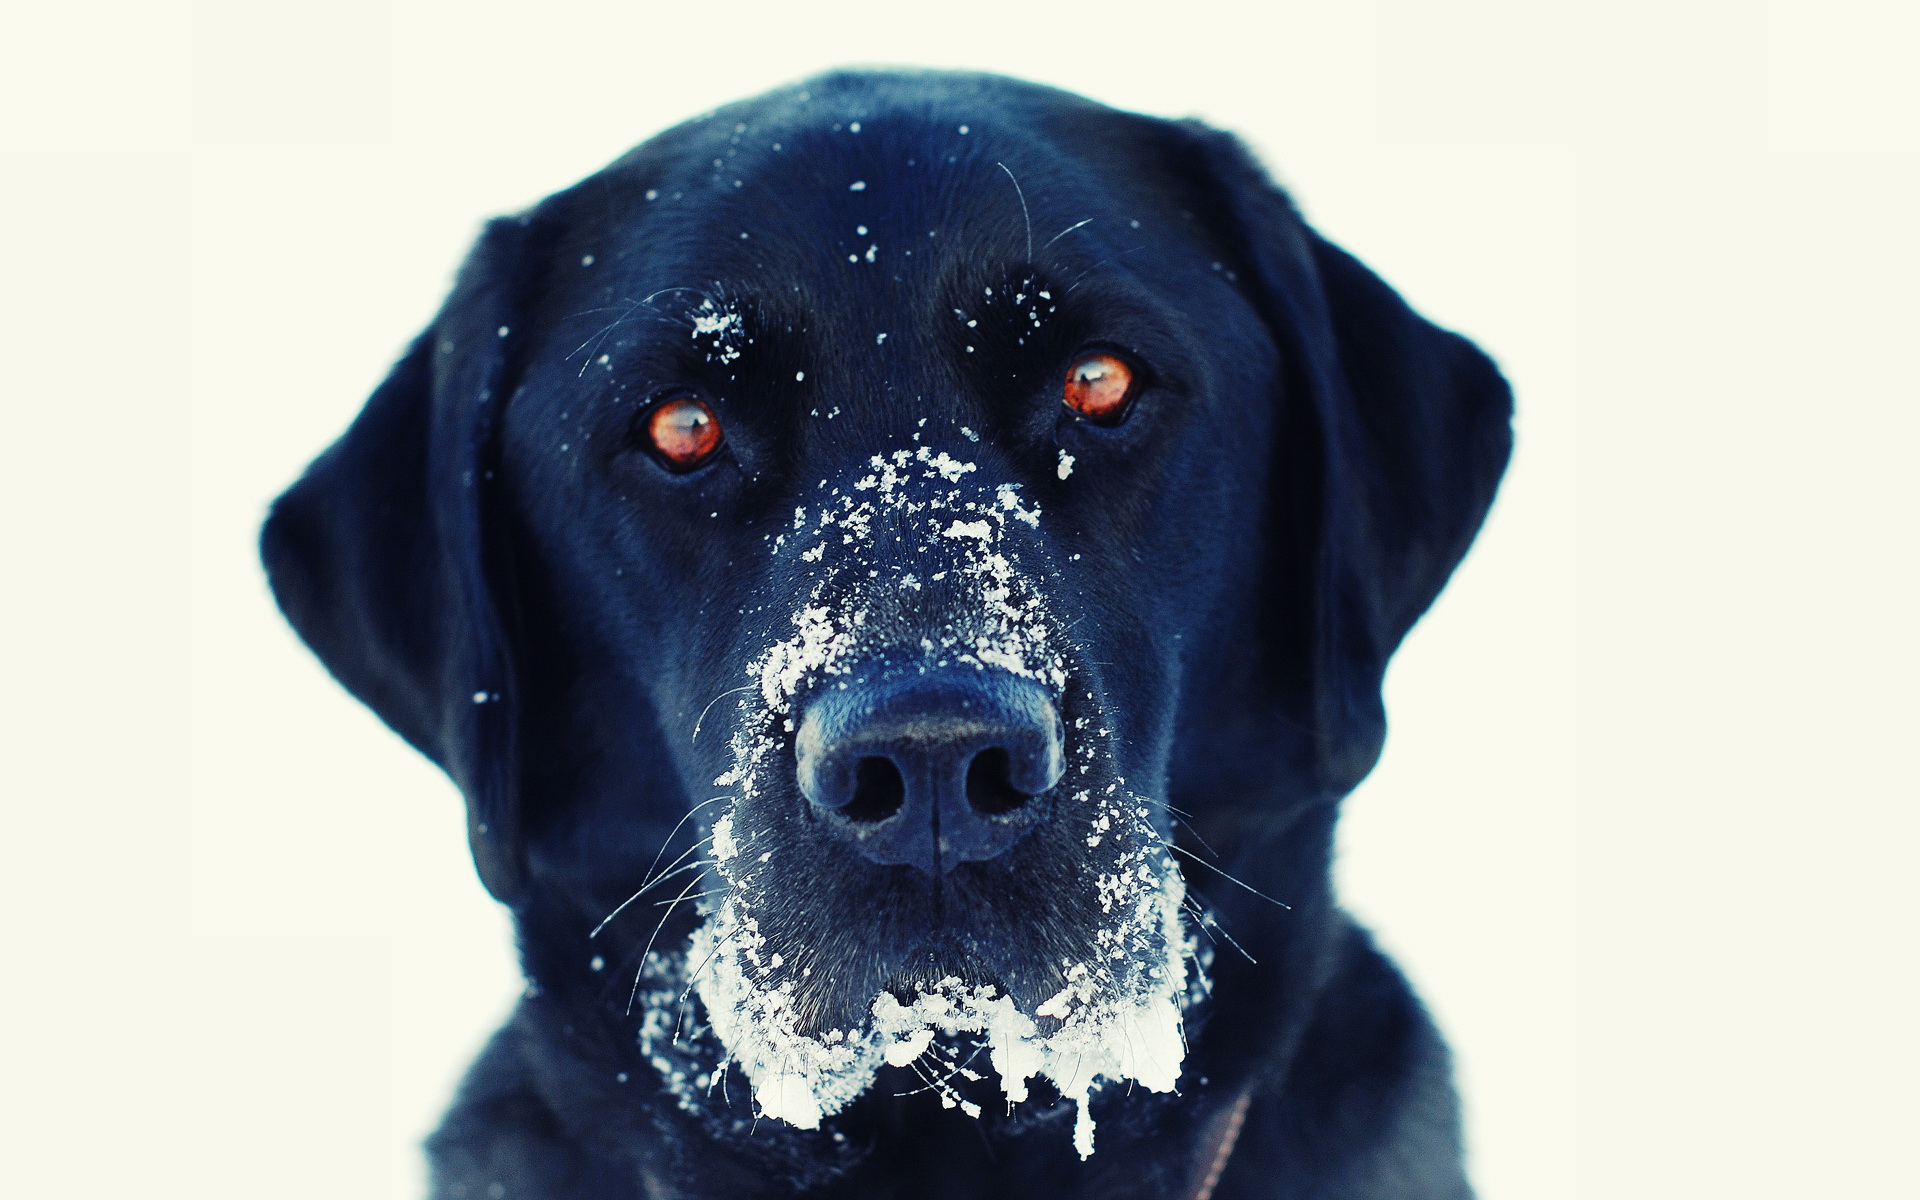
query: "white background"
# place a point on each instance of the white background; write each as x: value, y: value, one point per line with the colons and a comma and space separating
x: 1644, y: 831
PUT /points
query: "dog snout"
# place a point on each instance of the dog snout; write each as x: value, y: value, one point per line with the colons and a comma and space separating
x: 931, y: 770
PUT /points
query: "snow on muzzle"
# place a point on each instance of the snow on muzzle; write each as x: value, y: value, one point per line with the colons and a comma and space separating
x: 917, y: 692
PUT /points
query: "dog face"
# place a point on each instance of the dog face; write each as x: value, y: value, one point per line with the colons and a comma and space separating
x: 923, y: 575
x: 860, y: 521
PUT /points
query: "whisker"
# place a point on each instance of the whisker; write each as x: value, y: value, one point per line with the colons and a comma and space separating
x: 1215, y: 923
x: 595, y: 340
x: 664, y: 917
x: 1195, y: 832
x: 1199, y: 920
x: 1079, y: 1062
x: 719, y: 891
x: 593, y: 336
x: 694, y: 978
x: 709, y: 708
x: 650, y: 884
x: 1064, y: 232
x: 1224, y: 875
x: 1078, y: 279
x: 1024, y: 214
x: 618, y: 909
x: 961, y: 1068
x: 706, y: 962
x: 677, y: 860
x: 632, y: 307
x: 680, y: 1005
x: 1209, y: 922
x: 680, y: 867
x: 688, y: 816
x: 623, y: 306
x: 682, y: 288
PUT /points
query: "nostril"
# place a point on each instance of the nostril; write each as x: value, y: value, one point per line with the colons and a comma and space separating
x: 878, y: 790
x: 990, y: 789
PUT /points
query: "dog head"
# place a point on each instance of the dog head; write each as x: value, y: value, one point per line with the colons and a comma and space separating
x: 874, y: 517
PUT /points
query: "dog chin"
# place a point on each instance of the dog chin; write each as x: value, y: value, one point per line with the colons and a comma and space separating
x: 1116, y: 1017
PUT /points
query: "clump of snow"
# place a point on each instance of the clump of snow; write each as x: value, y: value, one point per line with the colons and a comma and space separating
x: 723, y: 325
x: 714, y: 323
x: 1115, y: 1019
x: 1066, y: 465
x: 1008, y: 496
x: 724, y: 847
x: 683, y: 1052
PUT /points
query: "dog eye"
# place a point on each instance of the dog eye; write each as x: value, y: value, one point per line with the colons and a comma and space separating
x: 1098, y: 387
x: 684, y: 433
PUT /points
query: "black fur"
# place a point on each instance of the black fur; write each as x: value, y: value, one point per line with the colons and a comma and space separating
x: 491, y: 561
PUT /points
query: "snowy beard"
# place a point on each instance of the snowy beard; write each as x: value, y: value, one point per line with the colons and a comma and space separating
x: 1117, y: 1013
x: 1116, y: 1018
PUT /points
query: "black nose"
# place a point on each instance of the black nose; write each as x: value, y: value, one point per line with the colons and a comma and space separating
x: 931, y: 770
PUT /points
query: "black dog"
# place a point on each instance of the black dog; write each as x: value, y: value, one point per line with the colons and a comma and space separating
x: 872, y: 558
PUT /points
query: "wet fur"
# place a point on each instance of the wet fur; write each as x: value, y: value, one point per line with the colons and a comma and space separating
x: 552, y: 629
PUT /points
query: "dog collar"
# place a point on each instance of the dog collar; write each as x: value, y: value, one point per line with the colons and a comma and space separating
x: 1223, y: 1133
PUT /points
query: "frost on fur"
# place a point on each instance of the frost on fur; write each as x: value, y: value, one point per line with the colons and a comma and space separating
x: 1117, y: 1019
x: 1116, y: 1016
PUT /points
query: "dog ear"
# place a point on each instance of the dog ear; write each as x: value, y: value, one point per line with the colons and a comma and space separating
x: 1393, y: 434
x: 380, y: 554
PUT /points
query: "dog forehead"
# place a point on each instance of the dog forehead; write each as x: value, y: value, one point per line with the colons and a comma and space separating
x: 794, y: 239
x: 861, y: 205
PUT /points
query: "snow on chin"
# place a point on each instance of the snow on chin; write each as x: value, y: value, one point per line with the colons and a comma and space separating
x: 1117, y: 1018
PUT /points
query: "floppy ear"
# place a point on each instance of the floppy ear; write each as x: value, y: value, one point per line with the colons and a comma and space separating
x: 1393, y: 436
x: 379, y: 555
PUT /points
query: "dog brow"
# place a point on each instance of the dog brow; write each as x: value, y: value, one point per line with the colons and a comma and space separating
x: 627, y: 310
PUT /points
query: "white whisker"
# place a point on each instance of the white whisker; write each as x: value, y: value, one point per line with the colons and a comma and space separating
x: 1024, y: 214
x: 676, y: 829
x: 709, y: 708
x: 1194, y: 832
x: 1209, y: 923
x: 1064, y: 232
x: 650, y: 884
x: 1224, y: 875
x: 642, y: 969
x: 719, y: 891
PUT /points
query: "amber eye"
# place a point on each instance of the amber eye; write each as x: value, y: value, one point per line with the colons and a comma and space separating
x: 1098, y: 387
x: 684, y: 432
